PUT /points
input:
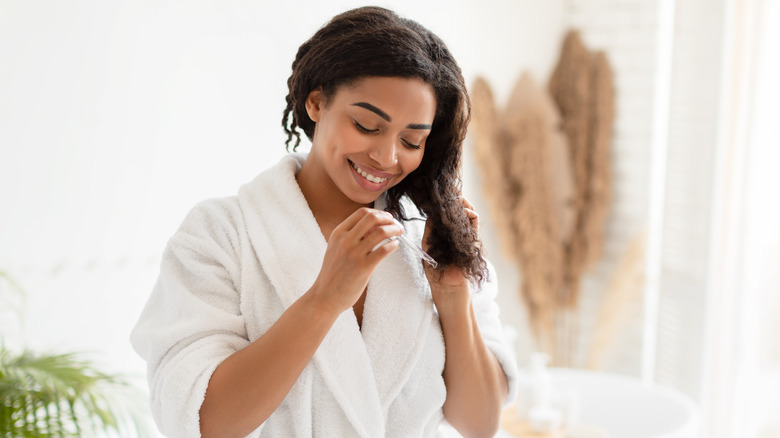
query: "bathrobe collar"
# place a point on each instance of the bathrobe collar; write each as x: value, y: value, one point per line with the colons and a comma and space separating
x: 364, y: 371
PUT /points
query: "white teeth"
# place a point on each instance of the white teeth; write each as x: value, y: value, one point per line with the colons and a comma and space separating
x: 368, y: 176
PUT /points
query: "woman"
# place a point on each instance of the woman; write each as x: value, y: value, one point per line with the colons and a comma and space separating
x: 292, y: 310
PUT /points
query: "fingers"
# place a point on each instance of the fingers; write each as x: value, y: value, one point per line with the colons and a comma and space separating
x: 379, y: 241
x: 367, y: 228
x: 354, y: 218
x: 364, y: 218
x: 471, y: 213
x: 381, y: 233
x: 373, y: 218
x: 349, y: 261
x: 381, y: 250
x: 375, y: 223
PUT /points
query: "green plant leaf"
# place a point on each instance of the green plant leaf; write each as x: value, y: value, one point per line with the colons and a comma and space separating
x: 44, y: 395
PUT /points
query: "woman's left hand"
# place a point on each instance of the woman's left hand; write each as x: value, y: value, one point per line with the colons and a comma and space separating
x: 476, y: 383
x: 449, y: 281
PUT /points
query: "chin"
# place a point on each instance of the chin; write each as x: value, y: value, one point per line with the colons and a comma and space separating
x: 366, y: 199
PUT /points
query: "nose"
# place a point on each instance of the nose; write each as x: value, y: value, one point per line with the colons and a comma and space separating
x: 385, y: 154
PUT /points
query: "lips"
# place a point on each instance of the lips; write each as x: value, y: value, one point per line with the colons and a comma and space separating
x: 369, y: 180
x: 373, y: 178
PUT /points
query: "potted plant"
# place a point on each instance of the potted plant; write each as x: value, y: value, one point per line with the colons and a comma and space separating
x: 60, y: 395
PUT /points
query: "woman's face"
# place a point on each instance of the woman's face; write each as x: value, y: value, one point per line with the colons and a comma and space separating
x: 371, y: 134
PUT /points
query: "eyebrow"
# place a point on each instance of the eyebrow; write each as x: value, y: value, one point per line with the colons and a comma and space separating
x: 387, y: 117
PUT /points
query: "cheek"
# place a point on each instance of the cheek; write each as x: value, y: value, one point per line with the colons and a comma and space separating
x: 411, y: 161
x: 354, y: 141
x: 348, y: 141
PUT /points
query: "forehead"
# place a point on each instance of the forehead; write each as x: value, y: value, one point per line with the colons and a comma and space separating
x: 399, y: 97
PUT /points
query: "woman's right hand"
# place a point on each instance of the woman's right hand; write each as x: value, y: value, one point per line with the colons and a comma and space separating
x: 349, y: 260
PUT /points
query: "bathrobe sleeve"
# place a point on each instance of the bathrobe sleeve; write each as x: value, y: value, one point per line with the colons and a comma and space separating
x: 192, y: 321
x: 486, y: 311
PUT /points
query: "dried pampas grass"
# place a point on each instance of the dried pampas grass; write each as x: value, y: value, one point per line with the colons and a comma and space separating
x: 546, y: 176
x: 581, y: 85
x: 529, y: 186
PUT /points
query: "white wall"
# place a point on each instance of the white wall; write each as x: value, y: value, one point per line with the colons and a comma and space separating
x: 117, y: 117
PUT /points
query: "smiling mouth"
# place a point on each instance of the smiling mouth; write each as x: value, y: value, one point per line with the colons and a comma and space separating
x: 369, y: 177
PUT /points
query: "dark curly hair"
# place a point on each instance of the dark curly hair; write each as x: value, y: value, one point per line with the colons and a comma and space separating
x: 373, y: 41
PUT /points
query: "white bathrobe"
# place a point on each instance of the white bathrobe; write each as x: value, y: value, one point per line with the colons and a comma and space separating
x: 232, y: 269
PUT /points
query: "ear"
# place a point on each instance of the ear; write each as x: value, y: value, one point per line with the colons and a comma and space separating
x: 315, y: 104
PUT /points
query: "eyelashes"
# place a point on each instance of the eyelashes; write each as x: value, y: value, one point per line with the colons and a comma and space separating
x: 365, y: 130
x: 413, y: 146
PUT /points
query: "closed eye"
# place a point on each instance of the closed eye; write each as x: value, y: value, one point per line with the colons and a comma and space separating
x: 363, y: 129
x: 412, y: 145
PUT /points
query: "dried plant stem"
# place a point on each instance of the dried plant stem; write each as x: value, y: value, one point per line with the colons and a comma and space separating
x: 621, y: 299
